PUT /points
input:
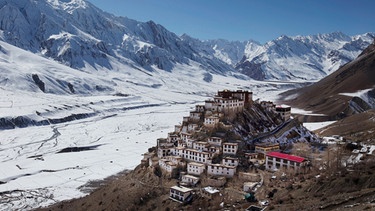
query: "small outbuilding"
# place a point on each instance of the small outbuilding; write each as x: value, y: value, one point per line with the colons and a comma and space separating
x: 180, y: 194
x: 210, y: 192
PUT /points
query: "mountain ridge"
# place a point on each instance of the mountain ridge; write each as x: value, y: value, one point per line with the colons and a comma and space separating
x: 82, y: 36
x: 304, y: 57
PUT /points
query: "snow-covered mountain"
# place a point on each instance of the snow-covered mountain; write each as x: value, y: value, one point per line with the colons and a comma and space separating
x: 302, y: 57
x: 79, y: 35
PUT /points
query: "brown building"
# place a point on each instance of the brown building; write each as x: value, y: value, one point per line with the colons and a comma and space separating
x: 263, y: 149
x: 284, y: 111
x: 245, y: 96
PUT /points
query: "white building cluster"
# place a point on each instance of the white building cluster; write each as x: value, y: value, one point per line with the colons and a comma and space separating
x: 181, y: 150
x: 186, y: 151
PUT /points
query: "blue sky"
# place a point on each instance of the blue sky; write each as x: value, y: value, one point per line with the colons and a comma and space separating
x: 260, y: 20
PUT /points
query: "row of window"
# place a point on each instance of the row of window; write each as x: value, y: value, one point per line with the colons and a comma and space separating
x: 221, y: 171
x: 229, y: 146
x: 282, y: 162
x: 215, y: 140
x: 229, y: 151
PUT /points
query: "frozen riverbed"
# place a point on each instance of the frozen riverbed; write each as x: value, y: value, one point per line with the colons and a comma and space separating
x: 44, y: 164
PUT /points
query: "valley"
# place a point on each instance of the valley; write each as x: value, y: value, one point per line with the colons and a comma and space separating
x: 114, y: 141
x: 85, y: 94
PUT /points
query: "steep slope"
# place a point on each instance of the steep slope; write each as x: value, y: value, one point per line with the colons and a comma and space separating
x: 302, y: 57
x: 347, y: 91
x: 231, y: 52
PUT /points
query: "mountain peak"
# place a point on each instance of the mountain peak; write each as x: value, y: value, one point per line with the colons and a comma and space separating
x: 68, y: 5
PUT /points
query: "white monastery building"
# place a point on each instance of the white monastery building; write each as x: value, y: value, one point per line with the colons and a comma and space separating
x: 196, y: 168
x: 277, y: 160
x: 230, y: 148
x: 221, y: 170
x: 189, y: 179
x: 180, y: 194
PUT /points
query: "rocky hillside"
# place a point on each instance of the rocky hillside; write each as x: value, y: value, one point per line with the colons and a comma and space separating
x: 257, y: 125
x: 358, y: 127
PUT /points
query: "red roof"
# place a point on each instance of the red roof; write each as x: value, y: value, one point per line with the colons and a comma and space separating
x: 286, y: 156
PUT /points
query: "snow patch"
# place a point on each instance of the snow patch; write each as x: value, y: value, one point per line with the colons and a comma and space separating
x: 317, y: 125
x: 357, y: 94
x: 304, y: 112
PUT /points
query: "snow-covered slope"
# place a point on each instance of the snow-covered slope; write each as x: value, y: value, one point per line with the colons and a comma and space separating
x: 78, y: 34
x: 303, y: 57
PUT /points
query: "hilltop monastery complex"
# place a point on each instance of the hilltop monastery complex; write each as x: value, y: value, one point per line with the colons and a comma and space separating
x: 186, y: 154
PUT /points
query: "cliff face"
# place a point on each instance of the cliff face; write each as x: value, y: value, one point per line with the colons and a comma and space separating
x: 254, y: 121
x: 258, y: 125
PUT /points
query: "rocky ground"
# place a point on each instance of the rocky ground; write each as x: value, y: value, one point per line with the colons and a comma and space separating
x: 358, y: 127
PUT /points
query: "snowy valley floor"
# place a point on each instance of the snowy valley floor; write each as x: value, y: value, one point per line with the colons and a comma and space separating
x: 34, y: 173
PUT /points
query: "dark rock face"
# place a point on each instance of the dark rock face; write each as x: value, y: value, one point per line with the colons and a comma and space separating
x: 7, y: 123
x: 251, y: 69
x: 358, y: 105
x: 39, y: 82
x: 71, y: 88
x: 207, y: 77
x: 254, y: 121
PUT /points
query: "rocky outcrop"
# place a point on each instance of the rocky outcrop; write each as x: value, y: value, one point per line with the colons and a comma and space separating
x: 39, y: 82
x: 251, y: 69
x: 25, y: 121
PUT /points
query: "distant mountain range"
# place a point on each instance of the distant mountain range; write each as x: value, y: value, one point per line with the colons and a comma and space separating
x: 80, y: 35
x: 349, y: 90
